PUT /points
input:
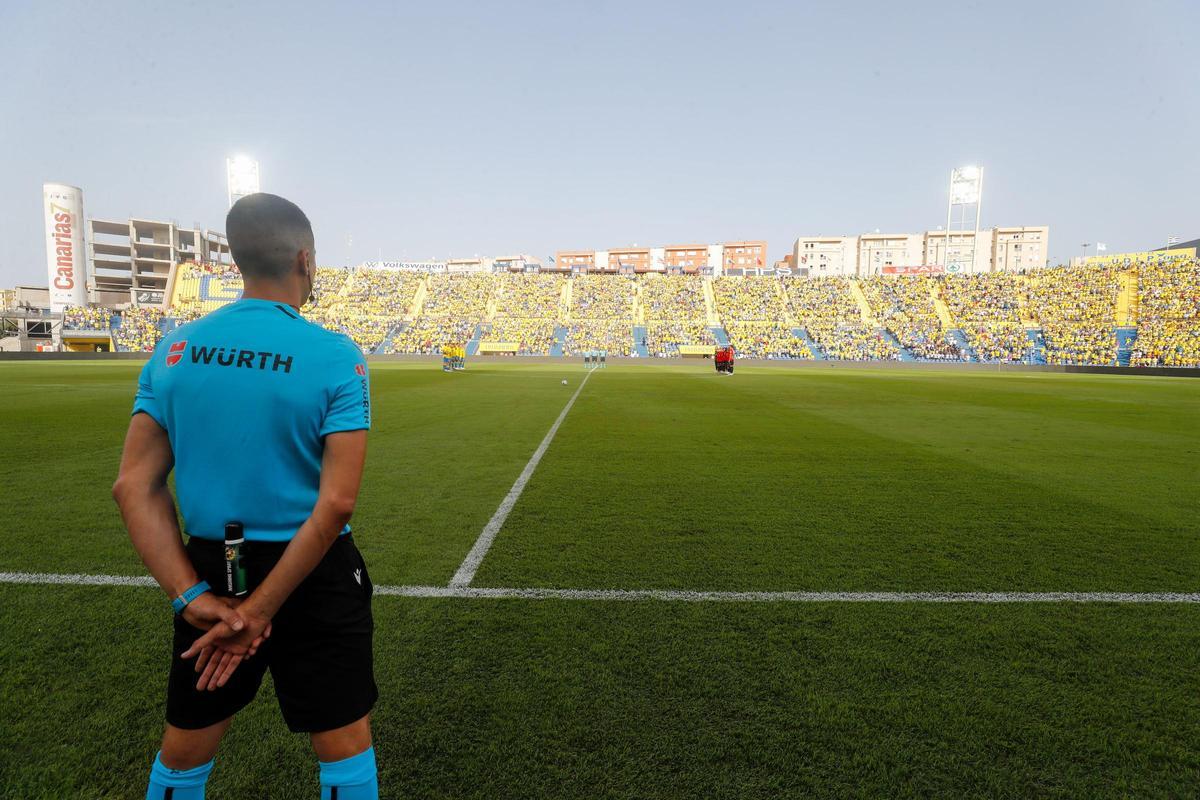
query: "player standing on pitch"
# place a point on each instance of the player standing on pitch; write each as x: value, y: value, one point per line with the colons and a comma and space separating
x: 264, y: 418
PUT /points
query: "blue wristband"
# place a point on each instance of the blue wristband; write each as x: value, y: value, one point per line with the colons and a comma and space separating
x: 181, y: 602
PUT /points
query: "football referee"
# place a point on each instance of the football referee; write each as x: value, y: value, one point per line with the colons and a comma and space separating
x: 263, y: 417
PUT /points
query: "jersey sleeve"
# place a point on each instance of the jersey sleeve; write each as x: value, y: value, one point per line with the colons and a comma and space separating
x: 350, y: 395
x: 144, y: 401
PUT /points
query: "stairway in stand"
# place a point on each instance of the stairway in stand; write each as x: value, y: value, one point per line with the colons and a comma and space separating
x: 817, y: 353
x: 905, y: 353
x: 1126, y: 336
x: 560, y: 341
x: 1037, y: 346
x: 639, y: 339
x: 959, y: 338
x: 386, y: 344
x: 473, y: 344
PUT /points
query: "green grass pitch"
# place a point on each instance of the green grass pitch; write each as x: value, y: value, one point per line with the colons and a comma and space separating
x: 671, y: 477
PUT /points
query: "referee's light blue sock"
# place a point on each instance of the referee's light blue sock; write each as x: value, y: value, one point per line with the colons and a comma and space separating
x: 352, y: 778
x: 177, y: 784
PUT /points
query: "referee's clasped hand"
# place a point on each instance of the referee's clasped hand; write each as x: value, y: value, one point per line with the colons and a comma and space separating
x: 230, y: 640
x: 207, y: 610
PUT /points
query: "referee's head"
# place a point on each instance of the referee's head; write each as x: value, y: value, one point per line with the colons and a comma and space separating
x: 272, y: 244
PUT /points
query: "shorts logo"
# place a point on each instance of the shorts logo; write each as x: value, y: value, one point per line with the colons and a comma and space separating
x: 176, y: 352
x: 358, y: 576
x: 361, y: 369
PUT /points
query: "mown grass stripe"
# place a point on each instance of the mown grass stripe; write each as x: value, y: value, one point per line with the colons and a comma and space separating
x: 466, y: 571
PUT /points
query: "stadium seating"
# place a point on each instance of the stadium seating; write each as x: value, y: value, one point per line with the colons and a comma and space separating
x: 528, y: 309
x: 1064, y: 315
x: 453, y: 306
x: 602, y: 318
x: 1169, y: 315
x: 87, y: 318
x: 904, y: 305
x: 675, y: 312
x: 764, y: 339
x: 203, y: 288
x: 533, y: 337
x: 140, y: 330
x: 749, y: 299
x: 826, y: 309
x: 1076, y: 307
x: 987, y: 309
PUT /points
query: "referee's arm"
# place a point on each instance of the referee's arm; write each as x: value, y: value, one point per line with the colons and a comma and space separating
x: 148, y: 509
x: 341, y: 474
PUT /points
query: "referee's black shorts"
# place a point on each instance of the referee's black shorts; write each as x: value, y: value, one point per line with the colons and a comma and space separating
x: 319, y: 651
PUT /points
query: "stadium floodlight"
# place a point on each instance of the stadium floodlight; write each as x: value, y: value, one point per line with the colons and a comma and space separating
x: 966, y: 185
x: 241, y: 174
x: 966, y: 195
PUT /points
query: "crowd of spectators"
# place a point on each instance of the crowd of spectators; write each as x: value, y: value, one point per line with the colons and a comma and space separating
x: 613, y: 336
x: 428, y: 335
x: 664, y: 337
x: 763, y: 339
x: 601, y: 315
x: 749, y: 299
x: 528, y: 308
x: 533, y: 337
x: 140, y: 330
x: 192, y: 269
x: 987, y: 308
x: 381, y: 292
x: 1076, y: 307
x: 826, y: 309
x: 86, y: 318
x: 530, y: 296
x: 458, y: 296
x: 603, y: 297
x: 673, y: 297
x: 1168, y: 314
x: 904, y: 305
x: 676, y: 314
x: 224, y: 284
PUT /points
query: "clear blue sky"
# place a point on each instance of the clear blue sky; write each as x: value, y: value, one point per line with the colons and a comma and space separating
x: 425, y: 130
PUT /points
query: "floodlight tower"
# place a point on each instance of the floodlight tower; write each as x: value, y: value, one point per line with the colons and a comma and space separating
x: 966, y: 195
x: 241, y: 173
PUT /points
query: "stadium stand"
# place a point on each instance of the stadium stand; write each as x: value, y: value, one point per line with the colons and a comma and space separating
x: 452, y: 308
x: 904, y: 305
x: 602, y: 315
x: 1168, y: 331
x: 987, y: 309
x: 528, y: 310
x: 754, y: 313
x: 1076, y: 307
x: 87, y: 318
x: 140, y: 330
x: 827, y: 311
x: 1065, y: 315
x: 203, y: 288
x: 675, y: 313
x: 749, y: 299
x: 760, y: 339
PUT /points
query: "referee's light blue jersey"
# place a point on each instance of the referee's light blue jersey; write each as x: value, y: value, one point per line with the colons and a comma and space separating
x: 247, y: 395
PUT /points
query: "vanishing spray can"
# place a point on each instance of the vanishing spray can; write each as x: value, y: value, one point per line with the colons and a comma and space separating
x: 235, y: 573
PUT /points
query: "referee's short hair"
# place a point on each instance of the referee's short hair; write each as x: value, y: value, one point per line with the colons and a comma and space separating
x: 265, y: 233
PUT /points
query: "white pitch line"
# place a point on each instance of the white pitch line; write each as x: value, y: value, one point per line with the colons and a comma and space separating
x: 671, y: 595
x: 59, y: 579
x: 694, y: 596
x: 466, y: 570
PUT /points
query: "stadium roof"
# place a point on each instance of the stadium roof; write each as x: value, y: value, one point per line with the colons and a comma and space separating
x: 1191, y: 243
